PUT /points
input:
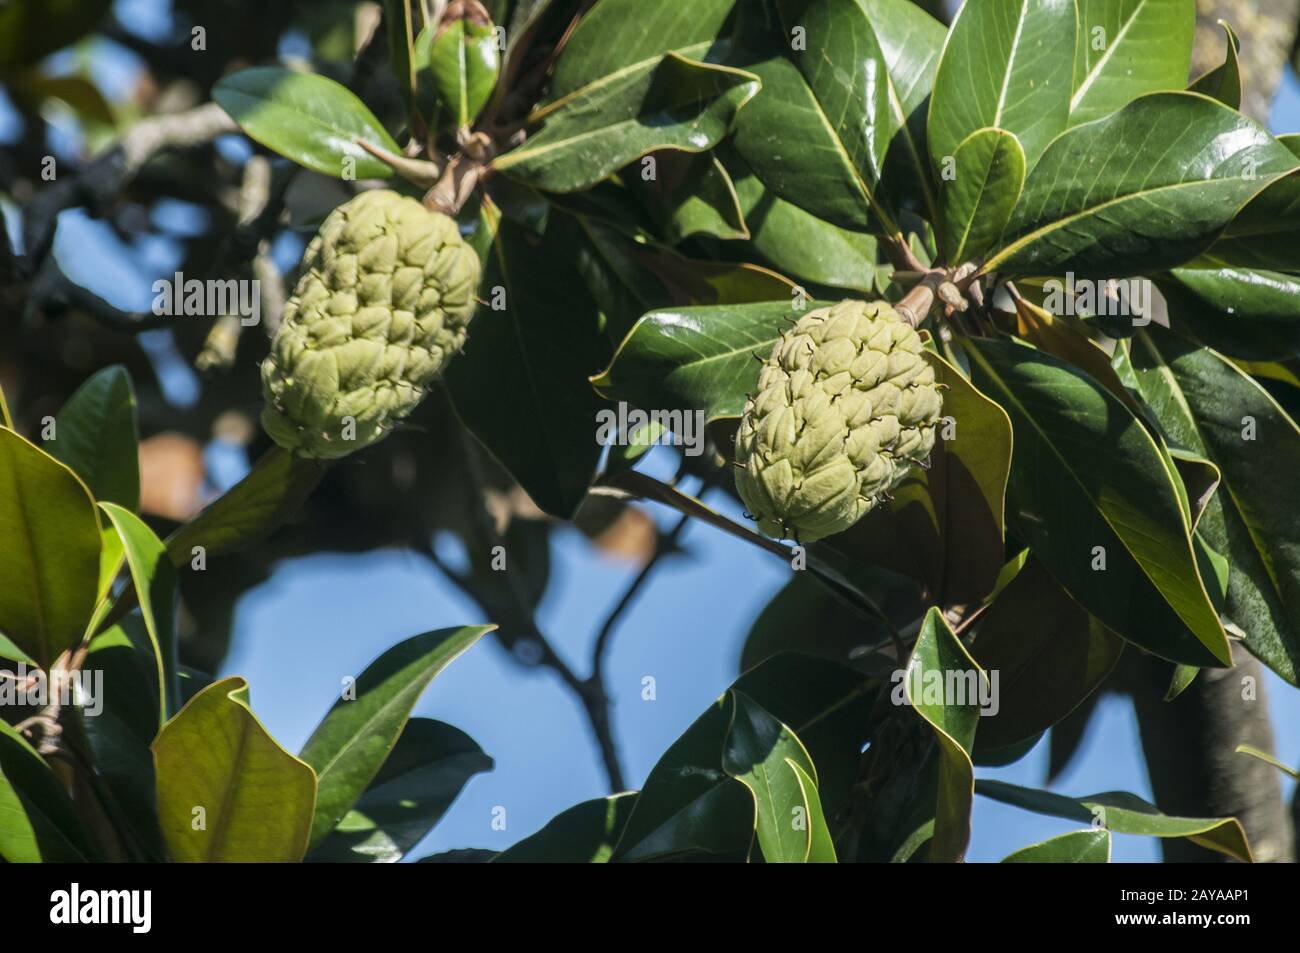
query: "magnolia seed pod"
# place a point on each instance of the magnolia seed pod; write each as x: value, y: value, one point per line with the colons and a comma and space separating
x: 387, y: 290
x: 845, y: 404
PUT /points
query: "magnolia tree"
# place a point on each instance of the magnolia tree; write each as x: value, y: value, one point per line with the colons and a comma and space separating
x: 988, y: 327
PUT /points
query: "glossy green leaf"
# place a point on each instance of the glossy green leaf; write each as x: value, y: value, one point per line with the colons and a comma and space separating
x: 154, y: 578
x: 1065, y: 500
x: 227, y: 791
x: 49, y: 551
x: 1124, y: 813
x: 851, y: 95
x: 690, y: 808
x: 628, y: 277
x: 1265, y: 235
x: 112, y: 557
x: 1007, y: 64
x: 976, y: 203
x: 945, y: 525
x: 1211, y: 407
x: 800, y: 244
x: 96, y: 435
x: 307, y: 118
x: 418, y: 782
x: 118, y: 736
x: 463, y: 61
x: 1077, y: 847
x: 38, y: 822
x: 260, y: 503
x: 820, y: 176
x: 1048, y: 654
x: 767, y: 757
x: 692, y: 195
x: 6, y: 420
x: 1153, y: 184
x: 939, y: 660
x: 821, y: 847
x: 695, y: 358
x: 911, y: 41
x: 1240, y: 312
x: 584, y: 834
x: 624, y: 36
x: 353, y: 740
x: 546, y: 341
x: 1224, y: 82
x: 676, y: 102
x: 1127, y: 48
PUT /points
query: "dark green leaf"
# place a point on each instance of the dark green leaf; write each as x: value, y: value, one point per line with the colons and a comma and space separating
x: 418, y: 782
x: 38, y: 822
x: 463, y: 61
x: 1146, y: 188
x: 691, y: 195
x: 627, y: 278
x: 1224, y: 82
x: 939, y: 660
x: 1077, y: 847
x: 307, y: 118
x: 1007, y: 64
x: 625, y: 35
x: 768, y: 758
x: 545, y: 342
x: 1238, y: 311
x: 703, y: 358
x: 584, y: 834
x: 800, y: 244
x: 49, y: 551
x: 689, y: 807
x: 1125, y: 813
x: 976, y: 203
x: 354, y: 739
x: 1065, y: 500
x: 672, y: 102
x: 96, y: 435
x: 154, y: 579
x: 852, y: 97
x: 1128, y: 48
x: 1045, y: 652
x: 1213, y: 408
x: 258, y: 504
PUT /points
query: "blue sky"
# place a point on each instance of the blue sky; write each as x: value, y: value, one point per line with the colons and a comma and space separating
x: 323, y: 617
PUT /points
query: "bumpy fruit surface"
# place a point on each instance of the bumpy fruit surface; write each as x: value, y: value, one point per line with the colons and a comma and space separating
x: 845, y: 405
x: 386, y: 292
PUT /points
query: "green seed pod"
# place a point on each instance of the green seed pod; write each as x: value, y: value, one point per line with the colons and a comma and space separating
x: 844, y: 405
x: 387, y: 290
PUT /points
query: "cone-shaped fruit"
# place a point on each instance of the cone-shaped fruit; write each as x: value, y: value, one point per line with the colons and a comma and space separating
x: 386, y: 292
x: 844, y: 405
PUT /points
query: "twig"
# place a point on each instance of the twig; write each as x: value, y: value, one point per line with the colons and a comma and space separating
x: 590, y: 692
x: 223, y: 338
x: 665, y: 545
